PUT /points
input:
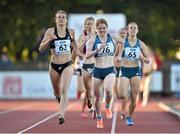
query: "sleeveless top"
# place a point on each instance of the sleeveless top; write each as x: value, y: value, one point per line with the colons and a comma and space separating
x: 109, y: 50
x: 61, y: 45
x: 131, y: 53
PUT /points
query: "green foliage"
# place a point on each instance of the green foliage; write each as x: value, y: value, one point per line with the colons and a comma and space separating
x: 22, y: 21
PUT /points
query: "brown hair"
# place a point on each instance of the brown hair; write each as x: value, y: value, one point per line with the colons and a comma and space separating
x: 132, y: 22
x: 61, y: 11
x: 101, y: 21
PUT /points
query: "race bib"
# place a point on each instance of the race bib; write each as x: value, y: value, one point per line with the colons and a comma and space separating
x: 132, y: 53
x: 62, y: 46
x: 107, y: 51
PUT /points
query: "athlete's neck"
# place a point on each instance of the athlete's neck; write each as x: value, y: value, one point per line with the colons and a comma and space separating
x: 132, y: 38
x: 103, y: 38
x: 61, y: 27
x: 61, y: 30
x: 90, y: 33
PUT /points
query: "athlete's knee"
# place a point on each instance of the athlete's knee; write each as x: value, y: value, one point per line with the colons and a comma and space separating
x: 56, y: 91
x: 87, y: 86
x: 134, y: 93
x: 97, y: 95
x: 108, y: 89
x: 133, y: 99
x: 88, y: 91
x: 115, y: 88
x: 98, y: 99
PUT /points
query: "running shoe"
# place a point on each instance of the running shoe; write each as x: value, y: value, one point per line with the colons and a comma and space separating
x: 58, y: 98
x: 100, y: 123
x: 129, y: 121
x: 61, y: 120
x: 122, y: 116
x: 108, y: 113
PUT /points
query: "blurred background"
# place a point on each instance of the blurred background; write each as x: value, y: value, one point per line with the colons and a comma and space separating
x: 24, y: 71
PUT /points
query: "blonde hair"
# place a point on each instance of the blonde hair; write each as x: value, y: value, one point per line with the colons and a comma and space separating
x: 123, y: 29
x: 88, y: 18
x: 101, y: 21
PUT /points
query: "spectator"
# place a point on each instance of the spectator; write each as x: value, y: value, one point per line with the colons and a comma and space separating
x: 5, y: 62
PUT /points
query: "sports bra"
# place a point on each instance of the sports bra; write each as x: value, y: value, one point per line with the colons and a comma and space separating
x: 108, y: 50
x: 62, y: 45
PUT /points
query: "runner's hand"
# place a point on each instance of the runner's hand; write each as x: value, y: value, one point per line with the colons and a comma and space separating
x: 52, y: 37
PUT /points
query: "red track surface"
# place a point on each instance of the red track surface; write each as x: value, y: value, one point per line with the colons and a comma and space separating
x: 27, y: 116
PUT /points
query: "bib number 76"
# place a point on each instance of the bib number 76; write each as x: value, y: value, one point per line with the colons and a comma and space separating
x: 106, y: 50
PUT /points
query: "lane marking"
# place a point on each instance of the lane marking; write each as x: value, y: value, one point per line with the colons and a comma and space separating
x: 114, y: 120
x: 42, y: 121
x: 168, y: 109
x: 15, y: 109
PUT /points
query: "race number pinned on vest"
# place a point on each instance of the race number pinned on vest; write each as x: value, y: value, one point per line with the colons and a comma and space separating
x: 62, y: 46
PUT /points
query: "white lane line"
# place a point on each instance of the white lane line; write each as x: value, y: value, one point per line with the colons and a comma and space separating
x: 40, y: 122
x: 47, y: 118
x: 15, y: 109
x: 114, y: 120
x: 168, y: 109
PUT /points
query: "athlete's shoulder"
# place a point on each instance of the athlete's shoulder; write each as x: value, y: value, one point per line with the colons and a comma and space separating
x: 141, y: 42
x: 72, y: 33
